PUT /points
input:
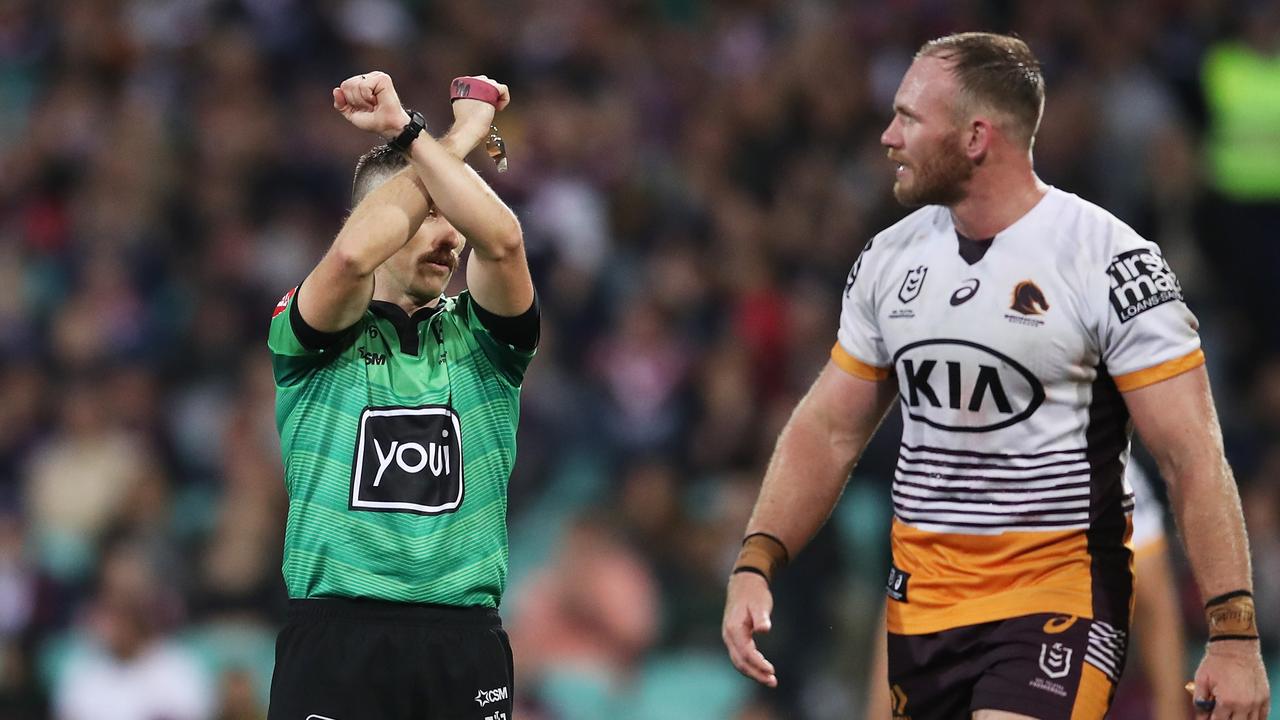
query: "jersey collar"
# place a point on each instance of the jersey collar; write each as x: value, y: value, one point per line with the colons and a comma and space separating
x: 406, y: 325
x: 972, y: 250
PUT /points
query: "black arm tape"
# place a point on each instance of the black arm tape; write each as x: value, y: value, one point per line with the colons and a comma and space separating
x: 1227, y: 596
x: 752, y: 570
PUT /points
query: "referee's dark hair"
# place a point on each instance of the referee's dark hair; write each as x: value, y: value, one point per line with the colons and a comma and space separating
x: 374, y: 168
x: 996, y: 72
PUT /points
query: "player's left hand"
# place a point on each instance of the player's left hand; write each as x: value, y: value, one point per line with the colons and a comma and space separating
x: 1232, y: 674
x: 370, y: 102
x: 478, y: 113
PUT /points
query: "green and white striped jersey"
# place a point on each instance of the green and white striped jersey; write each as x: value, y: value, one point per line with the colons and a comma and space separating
x: 398, y: 438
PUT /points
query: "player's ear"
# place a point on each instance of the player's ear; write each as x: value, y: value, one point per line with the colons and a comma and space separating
x: 980, y: 133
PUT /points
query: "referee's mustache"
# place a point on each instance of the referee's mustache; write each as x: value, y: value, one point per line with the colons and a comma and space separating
x: 442, y: 257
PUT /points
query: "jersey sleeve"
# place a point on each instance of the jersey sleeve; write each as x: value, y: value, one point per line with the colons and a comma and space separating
x: 1147, y: 334
x: 860, y: 349
x: 510, y: 360
x: 296, y: 347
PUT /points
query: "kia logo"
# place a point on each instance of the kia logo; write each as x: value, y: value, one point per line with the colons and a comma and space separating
x: 962, y: 386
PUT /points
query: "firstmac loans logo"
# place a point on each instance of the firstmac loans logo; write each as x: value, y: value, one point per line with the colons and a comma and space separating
x: 1140, y: 281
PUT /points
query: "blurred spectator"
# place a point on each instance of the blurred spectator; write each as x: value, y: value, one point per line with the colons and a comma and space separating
x: 127, y: 668
x: 28, y: 607
x: 238, y: 699
x: 641, y: 368
x: 593, y: 610
x: 80, y: 479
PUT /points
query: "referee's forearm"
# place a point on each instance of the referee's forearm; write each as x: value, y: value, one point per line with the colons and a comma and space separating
x: 381, y: 224
x: 465, y: 199
x: 461, y: 139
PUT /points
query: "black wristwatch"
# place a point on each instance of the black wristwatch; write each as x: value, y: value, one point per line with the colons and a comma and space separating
x: 416, y: 125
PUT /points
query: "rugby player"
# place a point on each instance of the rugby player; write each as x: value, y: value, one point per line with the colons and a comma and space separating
x: 1024, y: 330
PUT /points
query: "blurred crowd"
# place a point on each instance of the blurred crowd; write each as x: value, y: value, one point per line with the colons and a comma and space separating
x: 694, y: 177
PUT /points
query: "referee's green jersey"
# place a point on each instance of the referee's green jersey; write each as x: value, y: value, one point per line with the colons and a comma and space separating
x: 398, y: 439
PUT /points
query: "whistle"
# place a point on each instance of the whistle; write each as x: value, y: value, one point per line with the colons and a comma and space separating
x: 497, y: 148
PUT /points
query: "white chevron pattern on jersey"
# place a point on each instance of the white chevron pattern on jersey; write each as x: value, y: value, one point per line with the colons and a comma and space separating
x: 948, y: 490
x: 1106, y: 649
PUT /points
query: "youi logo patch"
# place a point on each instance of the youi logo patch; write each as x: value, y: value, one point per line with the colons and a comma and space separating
x: 408, y: 460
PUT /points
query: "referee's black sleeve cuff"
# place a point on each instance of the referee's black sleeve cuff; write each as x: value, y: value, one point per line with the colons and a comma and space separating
x: 309, y: 337
x: 521, y: 332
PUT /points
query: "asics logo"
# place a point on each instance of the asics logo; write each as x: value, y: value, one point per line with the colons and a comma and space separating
x: 967, y: 290
x: 1059, y: 624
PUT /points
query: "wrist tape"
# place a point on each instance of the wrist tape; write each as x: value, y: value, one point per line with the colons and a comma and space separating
x: 472, y: 88
x: 762, y: 554
x: 1232, y: 617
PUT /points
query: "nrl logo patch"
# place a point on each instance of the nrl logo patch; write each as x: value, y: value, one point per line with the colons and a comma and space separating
x: 1055, y: 660
x: 912, y: 284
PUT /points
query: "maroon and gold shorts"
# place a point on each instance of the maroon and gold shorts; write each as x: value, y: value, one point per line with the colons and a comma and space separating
x: 1052, y: 667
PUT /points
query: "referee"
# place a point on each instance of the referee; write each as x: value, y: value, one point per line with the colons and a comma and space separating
x: 397, y: 409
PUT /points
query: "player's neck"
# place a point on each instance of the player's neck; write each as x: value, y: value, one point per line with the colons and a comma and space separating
x: 406, y: 302
x: 997, y: 199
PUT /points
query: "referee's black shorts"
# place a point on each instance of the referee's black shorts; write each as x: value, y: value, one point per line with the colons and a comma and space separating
x: 369, y: 660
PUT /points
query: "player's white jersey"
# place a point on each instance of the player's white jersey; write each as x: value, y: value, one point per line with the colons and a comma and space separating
x: 1010, y: 357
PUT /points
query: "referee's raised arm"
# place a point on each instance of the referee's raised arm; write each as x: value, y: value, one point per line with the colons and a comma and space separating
x: 497, y: 274
x: 339, y: 289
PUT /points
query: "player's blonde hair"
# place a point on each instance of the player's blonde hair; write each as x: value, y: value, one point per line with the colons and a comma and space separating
x: 998, y: 73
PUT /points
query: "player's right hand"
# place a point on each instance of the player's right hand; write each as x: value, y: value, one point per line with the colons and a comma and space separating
x: 370, y: 102
x: 746, y: 612
x: 1232, y: 674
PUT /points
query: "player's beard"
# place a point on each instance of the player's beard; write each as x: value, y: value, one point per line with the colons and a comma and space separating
x: 938, y: 180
